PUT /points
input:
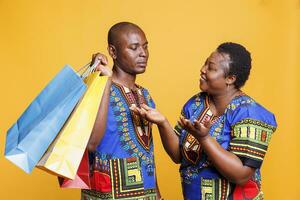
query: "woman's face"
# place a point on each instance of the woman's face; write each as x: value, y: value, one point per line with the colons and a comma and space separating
x: 212, y: 74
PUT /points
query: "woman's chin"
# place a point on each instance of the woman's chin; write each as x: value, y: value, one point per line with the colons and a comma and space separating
x: 202, y: 88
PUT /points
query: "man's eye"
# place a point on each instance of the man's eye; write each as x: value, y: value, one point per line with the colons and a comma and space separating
x: 133, y: 47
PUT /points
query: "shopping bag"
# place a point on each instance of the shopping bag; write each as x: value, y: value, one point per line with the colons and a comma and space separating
x: 82, y: 178
x: 64, y: 155
x: 28, y: 139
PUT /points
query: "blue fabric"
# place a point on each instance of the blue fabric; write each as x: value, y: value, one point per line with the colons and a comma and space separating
x: 120, y: 138
x: 28, y: 139
x: 240, y: 108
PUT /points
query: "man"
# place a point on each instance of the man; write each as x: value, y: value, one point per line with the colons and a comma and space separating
x: 121, y: 146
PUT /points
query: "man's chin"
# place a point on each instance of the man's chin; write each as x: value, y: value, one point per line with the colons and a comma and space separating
x: 141, y: 71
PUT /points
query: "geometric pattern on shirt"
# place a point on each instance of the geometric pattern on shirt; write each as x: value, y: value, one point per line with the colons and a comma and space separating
x: 214, y: 189
x: 127, y: 180
x: 150, y: 194
x: 127, y: 136
x: 191, y: 147
x: 95, y: 195
x: 141, y: 126
x: 196, y: 103
x: 250, y: 139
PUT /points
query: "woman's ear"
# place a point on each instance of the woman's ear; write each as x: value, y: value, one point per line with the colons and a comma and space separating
x: 112, y: 51
x: 230, y: 79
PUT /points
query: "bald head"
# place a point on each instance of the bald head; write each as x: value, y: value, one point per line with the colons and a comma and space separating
x: 116, y: 31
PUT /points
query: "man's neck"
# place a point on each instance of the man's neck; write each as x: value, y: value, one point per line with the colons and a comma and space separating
x: 123, y: 78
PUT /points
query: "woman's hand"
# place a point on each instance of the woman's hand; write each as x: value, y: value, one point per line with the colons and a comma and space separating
x: 102, y: 62
x: 198, y: 129
x: 168, y: 137
x: 148, y: 113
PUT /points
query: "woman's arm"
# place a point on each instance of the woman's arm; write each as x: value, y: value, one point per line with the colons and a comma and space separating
x: 168, y: 137
x: 169, y: 140
x: 227, y: 163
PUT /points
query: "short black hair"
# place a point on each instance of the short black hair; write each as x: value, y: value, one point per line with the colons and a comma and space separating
x: 240, y: 62
x: 113, y: 32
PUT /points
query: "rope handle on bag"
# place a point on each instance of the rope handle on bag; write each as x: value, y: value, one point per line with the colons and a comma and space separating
x: 87, y: 69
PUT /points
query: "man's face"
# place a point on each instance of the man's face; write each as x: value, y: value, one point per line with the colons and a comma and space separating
x: 132, y: 52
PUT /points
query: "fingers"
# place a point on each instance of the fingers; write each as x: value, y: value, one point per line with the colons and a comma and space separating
x: 207, y: 123
x: 186, y: 124
x: 99, y: 57
x: 197, y: 124
x: 147, y: 108
x: 101, y: 62
x: 103, y: 59
x: 181, y: 121
x: 139, y: 111
x: 189, y: 125
x: 134, y: 109
x: 200, y: 127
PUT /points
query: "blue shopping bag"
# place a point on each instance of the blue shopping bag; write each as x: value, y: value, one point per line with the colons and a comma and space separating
x: 28, y: 139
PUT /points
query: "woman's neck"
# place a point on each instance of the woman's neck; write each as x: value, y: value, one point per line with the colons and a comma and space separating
x: 219, y: 103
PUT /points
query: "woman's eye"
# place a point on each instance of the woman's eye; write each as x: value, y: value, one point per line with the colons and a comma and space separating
x: 212, y: 69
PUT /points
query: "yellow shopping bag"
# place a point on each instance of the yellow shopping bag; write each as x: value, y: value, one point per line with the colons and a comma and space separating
x: 64, y: 155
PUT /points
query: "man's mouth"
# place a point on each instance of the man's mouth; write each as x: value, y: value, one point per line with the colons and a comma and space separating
x: 142, y: 64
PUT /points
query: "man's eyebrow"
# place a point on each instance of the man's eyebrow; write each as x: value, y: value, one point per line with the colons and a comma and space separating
x: 136, y: 43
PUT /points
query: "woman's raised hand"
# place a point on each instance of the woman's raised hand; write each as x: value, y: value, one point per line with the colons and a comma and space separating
x: 148, y: 113
x: 198, y: 129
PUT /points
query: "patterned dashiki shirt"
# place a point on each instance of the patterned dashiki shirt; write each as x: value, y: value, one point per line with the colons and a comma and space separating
x: 244, y: 129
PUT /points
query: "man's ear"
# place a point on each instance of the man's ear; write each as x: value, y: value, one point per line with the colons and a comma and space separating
x: 230, y: 79
x: 112, y: 51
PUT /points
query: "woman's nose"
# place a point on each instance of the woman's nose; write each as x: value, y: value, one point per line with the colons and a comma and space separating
x: 203, y: 69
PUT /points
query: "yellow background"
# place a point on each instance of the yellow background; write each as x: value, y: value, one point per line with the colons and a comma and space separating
x: 38, y: 37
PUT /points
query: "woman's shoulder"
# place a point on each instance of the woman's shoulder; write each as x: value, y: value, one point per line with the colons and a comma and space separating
x: 196, y: 100
x: 198, y: 97
x: 246, y: 108
x: 194, y: 103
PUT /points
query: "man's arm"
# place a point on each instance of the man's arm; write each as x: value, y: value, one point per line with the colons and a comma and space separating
x: 101, y: 118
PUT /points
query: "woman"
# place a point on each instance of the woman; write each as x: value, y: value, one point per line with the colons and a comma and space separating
x: 222, y: 135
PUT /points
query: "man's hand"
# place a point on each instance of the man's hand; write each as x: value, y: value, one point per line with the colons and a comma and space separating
x: 102, y: 62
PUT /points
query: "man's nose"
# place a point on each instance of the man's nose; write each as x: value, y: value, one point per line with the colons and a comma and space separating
x: 143, y: 52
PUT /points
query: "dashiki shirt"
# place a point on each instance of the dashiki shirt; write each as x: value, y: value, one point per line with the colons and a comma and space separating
x: 244, y: 129
x: 123, y: 164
